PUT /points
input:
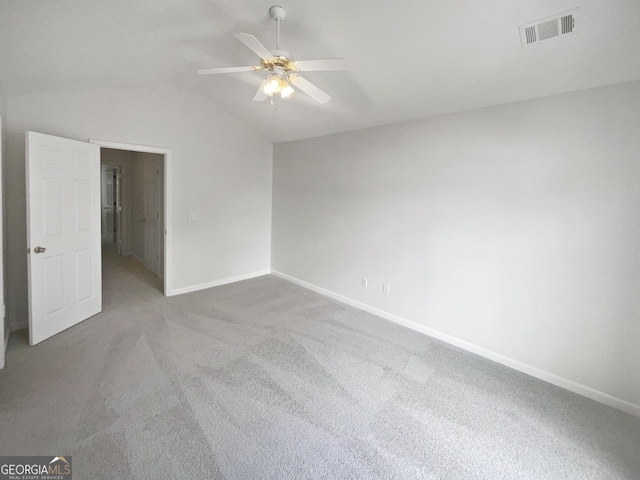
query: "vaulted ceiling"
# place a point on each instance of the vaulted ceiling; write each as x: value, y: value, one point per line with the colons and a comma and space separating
x: 406, y: 59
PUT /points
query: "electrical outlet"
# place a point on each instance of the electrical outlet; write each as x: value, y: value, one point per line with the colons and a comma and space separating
x: 365, y: 282
x: 385, y: 288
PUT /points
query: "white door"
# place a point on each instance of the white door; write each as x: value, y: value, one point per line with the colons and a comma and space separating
x: 3, y: 333
x: 152, y: 215
x: 63, y: 233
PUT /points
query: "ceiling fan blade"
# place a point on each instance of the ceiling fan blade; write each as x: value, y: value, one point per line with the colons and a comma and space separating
x: 210, y: 71
x: 309, y: 88
x: 254, y: 44
x: 324, y: 64
x: 260, y: 95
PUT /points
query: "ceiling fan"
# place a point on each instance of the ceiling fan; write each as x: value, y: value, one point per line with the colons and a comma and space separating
x: 283, y: 72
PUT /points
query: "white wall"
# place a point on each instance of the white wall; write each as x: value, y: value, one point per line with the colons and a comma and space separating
x: 221, y: 169
x: 514, y: 228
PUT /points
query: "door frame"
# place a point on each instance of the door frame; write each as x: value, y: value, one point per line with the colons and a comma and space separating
x: 166, y: 153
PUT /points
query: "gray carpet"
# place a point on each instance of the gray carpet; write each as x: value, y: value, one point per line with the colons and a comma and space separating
x: 263, y: 379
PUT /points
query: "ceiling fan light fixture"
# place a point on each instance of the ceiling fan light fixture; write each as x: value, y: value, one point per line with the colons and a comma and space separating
x: 287, y: 90
x: 275, y: 84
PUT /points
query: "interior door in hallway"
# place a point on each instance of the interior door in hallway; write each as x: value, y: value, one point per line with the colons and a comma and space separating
x: 152, y: 223
x: 111, y: 209
x: 63, y: 233
x: 4, y: 328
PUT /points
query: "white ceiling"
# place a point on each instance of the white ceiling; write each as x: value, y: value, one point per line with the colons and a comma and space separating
x: 407, y: 59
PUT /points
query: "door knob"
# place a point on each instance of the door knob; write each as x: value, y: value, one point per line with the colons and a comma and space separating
x: 39, y: 250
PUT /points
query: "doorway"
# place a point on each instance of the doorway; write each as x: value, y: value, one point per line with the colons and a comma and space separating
x: 134, y: 204
x: 64, y: 232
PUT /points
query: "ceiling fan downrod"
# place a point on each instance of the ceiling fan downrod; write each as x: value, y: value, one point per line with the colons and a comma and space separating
x: 278, y: 13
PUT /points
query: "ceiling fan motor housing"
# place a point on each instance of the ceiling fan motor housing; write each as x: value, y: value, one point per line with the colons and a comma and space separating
x: 281, y: 53
x: 280, y: 59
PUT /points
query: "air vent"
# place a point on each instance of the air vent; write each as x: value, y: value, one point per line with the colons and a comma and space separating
x: 568, y: 23
x: 548, y: 28
x: 531, y: 34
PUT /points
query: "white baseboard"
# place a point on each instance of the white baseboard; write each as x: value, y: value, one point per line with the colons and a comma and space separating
x: 567, y: 384
x: 217, y: 283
